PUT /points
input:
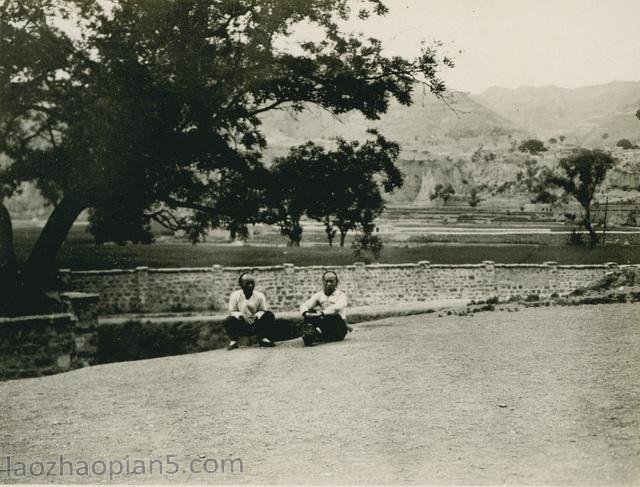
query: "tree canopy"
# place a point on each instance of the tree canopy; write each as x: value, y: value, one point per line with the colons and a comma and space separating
x: 341, y: 187
x: 158, y: 103
x: 532, y: 146
x: 443, y: 192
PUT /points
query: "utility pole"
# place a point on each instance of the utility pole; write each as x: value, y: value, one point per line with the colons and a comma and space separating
x: 604, y: 229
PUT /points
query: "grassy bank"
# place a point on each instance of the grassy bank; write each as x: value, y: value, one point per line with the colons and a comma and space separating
x: 79, y: 252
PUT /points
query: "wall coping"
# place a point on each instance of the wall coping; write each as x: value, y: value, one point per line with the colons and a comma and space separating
x: 52, y: 319
x: 217, y: 268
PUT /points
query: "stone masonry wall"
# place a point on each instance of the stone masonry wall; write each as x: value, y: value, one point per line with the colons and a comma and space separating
x: 36, y: 345
x: 286, y: 286
x: 46, y: 344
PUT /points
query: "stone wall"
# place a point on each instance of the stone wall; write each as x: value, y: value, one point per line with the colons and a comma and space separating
x: 36, y: 345
x: 286, y: 286
x: 47, y: 344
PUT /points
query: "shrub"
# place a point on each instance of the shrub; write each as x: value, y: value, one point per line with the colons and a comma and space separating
x: 575, y: 238
x: 367, y: 247
x: 532, y: 146
x: 626, y: 144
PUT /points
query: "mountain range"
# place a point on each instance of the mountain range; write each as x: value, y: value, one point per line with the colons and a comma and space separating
x: 586, y: 113
x: 592, y: 116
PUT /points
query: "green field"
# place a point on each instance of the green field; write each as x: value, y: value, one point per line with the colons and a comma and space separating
x: 79, y: 252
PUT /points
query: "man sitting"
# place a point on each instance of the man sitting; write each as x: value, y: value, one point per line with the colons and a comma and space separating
x: 249, y: 314
x: 325, y: 318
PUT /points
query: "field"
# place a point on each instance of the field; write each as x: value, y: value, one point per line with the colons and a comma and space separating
x: 79, y: 252
x: 425, y: 399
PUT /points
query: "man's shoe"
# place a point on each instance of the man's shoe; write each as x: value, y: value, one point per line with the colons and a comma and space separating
x: 265, y: 342
x: 233, y: 345
x: 308, y: 339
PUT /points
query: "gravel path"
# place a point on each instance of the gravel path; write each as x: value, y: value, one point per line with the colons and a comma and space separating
x: 544, y: 395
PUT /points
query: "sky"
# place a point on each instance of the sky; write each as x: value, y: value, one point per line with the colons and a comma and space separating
x: 510, y: 43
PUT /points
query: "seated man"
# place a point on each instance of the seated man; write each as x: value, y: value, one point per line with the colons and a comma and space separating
x: 325, y: 313
x: 249, y: 314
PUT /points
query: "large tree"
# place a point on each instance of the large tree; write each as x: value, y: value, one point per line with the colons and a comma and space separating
x: 160, y: 100
x: 582, y: 174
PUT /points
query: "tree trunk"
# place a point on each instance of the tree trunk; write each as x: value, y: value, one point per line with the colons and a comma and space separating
x: 295, y: 234
x: 343, y: 236
x: 42, y: 261
x: 593, y: 237
x: 330, y: 231
x: 238, y: 231
x: 8, y: 267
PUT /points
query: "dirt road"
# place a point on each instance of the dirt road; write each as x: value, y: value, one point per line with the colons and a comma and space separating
x: 546, y: 395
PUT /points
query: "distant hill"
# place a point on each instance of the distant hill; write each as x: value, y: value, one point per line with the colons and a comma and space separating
x: 583, y: 114
x: 591, y: 116
x: 428, y: 122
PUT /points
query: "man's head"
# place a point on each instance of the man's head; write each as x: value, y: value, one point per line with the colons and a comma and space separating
x: 247, y: 282
x: 330, y: 282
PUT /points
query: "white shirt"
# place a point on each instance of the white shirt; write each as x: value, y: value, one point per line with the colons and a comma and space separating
x: 336, y: 303
x: 254, y: 306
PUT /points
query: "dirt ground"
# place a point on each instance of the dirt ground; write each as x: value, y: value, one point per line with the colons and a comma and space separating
x: 534, y: 396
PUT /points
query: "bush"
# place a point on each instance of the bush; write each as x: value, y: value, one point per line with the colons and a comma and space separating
x: 575, y: 238
x: 532, y: 146
x: 367, y: 247
x: 626, y: 144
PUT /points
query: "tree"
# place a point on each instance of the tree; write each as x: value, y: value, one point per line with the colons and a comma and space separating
x: 160, y: 101
x: 583, y: 172
x: 341, y: 188
x: 561, y: 138
x: 532, y: 146
x: 553, y: 140
x: 626, y: 144
x: 474, y: 199
x: 358, y: 174
x: 366, y: 245
x: 443, y: 192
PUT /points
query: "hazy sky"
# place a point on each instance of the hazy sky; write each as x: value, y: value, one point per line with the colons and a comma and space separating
x: 509, y: 43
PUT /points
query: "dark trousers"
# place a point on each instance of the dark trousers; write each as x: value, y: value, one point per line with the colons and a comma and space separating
x: 333, y: 327
x: 262, y: 327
